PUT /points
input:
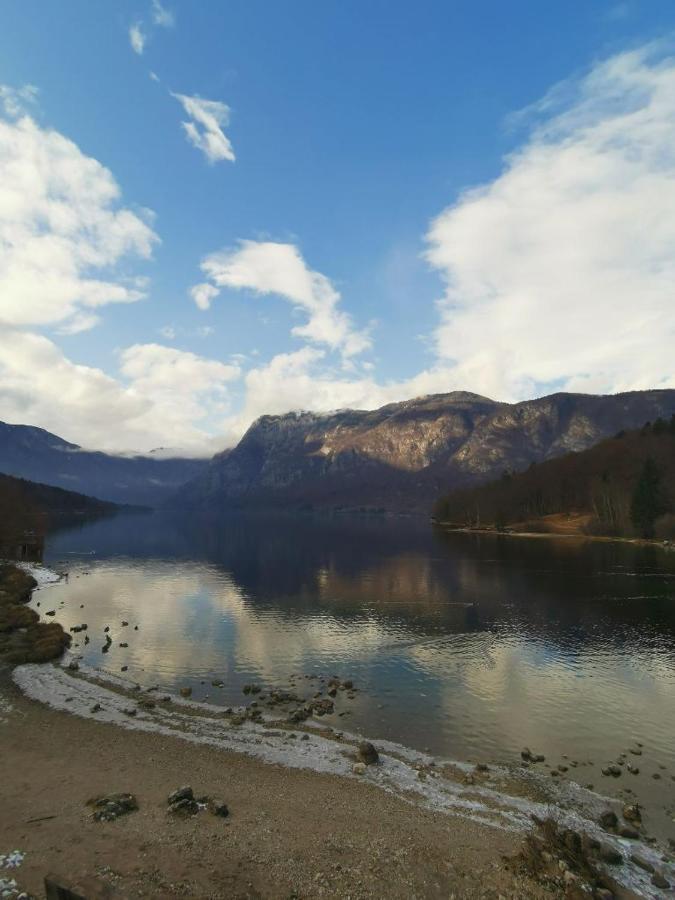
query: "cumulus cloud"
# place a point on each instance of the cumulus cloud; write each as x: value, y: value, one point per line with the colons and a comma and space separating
x: 560, y: 272
x: 61, y: 224
x: 204, y: 130
x: 304, y: 380
x: 162, y: 394
x: 558, y: 275
x: 81, y: 321
x: 64, y: 237
x: 184, y: 388
x: 39, y: 385
x: 137, y: 38
x: 203, y: 294
x: 266, y: 267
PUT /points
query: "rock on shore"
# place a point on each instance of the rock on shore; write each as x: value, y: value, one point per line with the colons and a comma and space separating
x: 23, y: 638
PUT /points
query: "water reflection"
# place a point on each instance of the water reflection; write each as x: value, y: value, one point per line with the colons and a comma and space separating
x: 472, y: 646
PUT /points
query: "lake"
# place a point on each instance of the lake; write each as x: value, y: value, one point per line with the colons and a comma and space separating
x: 472, y: 646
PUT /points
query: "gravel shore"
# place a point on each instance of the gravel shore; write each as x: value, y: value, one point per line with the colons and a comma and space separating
x: 289, y: 833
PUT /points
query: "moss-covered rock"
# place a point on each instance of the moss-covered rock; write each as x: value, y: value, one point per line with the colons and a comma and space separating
x: 23, y: 638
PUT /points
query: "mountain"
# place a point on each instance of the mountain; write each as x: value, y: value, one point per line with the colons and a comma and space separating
x: 624, y: 485
x: 37, y: 455
x: 403, y: 456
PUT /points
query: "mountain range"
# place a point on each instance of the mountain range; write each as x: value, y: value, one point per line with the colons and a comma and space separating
x: 398, y: 458
x: 402, y: 456
x: 37, y: 455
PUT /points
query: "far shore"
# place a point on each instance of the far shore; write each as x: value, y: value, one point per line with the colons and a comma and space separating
x: 566, y: 535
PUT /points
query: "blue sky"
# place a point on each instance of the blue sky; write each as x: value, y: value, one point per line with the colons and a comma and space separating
x: 354, y: 127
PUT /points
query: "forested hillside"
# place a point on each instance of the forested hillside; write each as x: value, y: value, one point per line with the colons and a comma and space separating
x: 622, y: 486
x: 26, y: 506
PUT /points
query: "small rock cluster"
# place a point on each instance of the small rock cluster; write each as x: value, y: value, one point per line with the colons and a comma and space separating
x: 111, y: 806
x: 567, y: 858
x: 183, y: 803
x: 528, y: 756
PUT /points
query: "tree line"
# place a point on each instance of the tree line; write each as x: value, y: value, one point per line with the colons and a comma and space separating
x: 623, y: 486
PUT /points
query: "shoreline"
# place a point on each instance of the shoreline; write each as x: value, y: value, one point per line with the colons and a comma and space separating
x: 494, y: 807
x: 290, y: 832
x: 580, y: 536
x: 489, y: 810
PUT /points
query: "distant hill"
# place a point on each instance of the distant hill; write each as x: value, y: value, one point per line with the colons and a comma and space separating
x: 403, y: 456
x: 609, y: 489
x: 30, y: 508
x: 37, y: 455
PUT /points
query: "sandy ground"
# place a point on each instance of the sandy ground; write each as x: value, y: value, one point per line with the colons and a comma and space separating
x: 289, y: 833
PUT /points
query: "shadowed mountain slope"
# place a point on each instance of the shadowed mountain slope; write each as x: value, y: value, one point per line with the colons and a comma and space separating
x: 402, y: 456
x: 37, y: 455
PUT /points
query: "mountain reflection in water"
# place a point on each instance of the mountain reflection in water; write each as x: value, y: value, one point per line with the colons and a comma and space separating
x: 472, y: 646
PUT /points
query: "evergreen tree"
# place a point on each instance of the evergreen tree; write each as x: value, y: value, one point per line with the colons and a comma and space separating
x: 649, y: 500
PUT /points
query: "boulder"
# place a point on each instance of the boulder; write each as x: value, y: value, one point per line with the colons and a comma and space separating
x: 631, y: 813
x: 184, y: 808
x: 641, y: 862
x: 610, y: 855
x: 608, y: 820
x: 323, y: 706
x: 367, y: 753
x: 181, y: 793
x: 111, y: 806
x: 218, y: 808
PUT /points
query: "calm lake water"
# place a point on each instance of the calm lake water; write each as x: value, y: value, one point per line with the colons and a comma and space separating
x: 471, y: 646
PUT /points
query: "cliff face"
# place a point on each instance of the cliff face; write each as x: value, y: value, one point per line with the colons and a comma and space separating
x: 400, y: 457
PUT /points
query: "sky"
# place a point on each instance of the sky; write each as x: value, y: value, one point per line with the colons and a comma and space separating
x: 218, y: 210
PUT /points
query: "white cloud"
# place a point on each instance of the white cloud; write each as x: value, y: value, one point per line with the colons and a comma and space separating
x: 203, y: 294
x: 15, y: 101
x: 204, y: 130
x: 79, y: 322
x: 164, y: 395
x: 303, y: 380
x: 171, y: 332
x: 137, y: 38
x: 272, y: 268
x: 39, y: 385
x: 161, y: 16
x: 185, y: 387
x: 61, y: 224
x: 560, y: 272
